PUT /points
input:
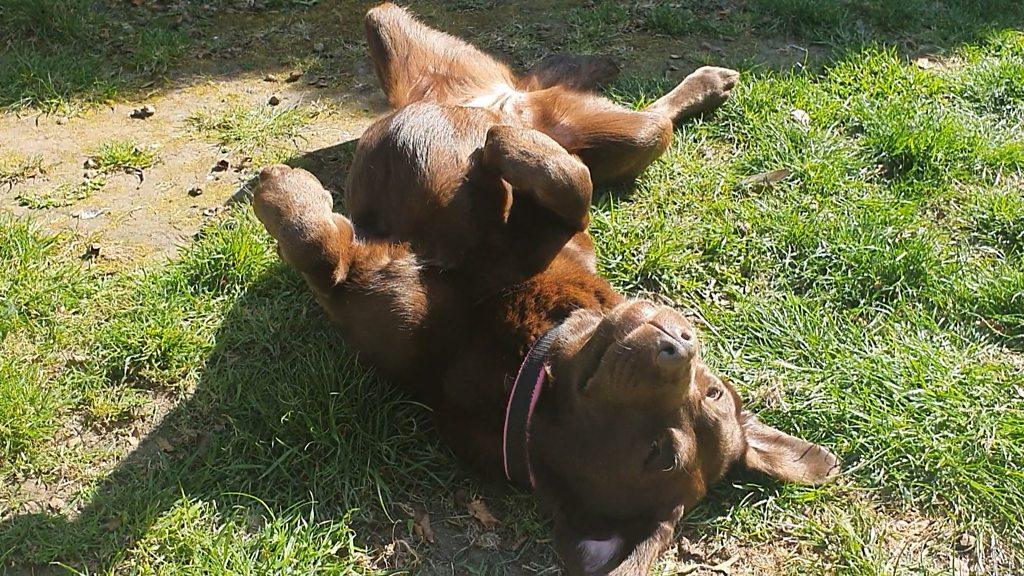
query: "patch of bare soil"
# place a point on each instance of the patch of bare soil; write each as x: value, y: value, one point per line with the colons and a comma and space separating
x: 151, y: 213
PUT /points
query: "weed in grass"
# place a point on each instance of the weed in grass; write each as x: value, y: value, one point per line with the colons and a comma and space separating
x: 123, y: 155
x: 806, y: 18
x: 198, y: 536
x: 470, y: 5
x: 689, y: 17
x: 17, y: 169
x: 671, y: 19
x: 62, y: 195
x: 28, y: 408
x: 108, y: 406
x: 942, y: 22
x: 37, y: 289
x: 997, y: 220
x: 915, y: 141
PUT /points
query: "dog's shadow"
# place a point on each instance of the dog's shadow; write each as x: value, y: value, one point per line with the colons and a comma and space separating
x: 283, y: 423
x: 281, y: 416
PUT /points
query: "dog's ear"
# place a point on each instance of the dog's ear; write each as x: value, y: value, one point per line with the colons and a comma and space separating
x: 533, y: 163
x: 629, y: 549
x: 786, y: 457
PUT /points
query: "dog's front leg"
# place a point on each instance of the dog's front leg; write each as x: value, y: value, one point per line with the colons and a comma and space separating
x: 297, y: 211
x: 373, y: 290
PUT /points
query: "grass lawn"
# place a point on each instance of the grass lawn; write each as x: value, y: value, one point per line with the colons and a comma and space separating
x: 848, y: 231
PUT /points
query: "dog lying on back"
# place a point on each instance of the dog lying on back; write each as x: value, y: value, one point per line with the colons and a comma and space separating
x: 466, y: 275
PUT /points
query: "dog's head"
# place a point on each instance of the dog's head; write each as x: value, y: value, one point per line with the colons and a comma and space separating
x: 638, y: 428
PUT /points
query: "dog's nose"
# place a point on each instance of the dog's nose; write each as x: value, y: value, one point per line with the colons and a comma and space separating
x: 674, y: 346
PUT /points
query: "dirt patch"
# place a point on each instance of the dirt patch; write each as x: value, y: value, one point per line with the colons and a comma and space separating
x: 150, y: 214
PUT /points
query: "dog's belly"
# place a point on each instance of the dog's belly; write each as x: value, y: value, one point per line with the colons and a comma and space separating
x: 413, y: 179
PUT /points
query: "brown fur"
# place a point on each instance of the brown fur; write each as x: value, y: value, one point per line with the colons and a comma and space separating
x: 469, y: 241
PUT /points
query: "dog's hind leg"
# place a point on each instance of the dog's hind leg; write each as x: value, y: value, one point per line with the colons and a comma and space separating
x: 614, y: 143
x: 415, y: 62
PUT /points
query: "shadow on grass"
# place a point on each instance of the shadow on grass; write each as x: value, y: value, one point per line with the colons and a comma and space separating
x: 60, y: 53
x: 283, y: 426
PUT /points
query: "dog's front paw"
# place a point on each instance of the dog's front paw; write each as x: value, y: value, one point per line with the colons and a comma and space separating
x: 285, y: 197
x: 297, y: 211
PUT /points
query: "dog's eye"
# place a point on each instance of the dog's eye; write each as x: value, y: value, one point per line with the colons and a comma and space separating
x: 714, y: 392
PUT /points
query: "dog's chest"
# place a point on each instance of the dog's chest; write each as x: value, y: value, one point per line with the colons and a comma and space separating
x: 501, y: 98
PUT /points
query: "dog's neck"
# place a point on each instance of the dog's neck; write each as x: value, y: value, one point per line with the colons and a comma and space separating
x: 526, y: 392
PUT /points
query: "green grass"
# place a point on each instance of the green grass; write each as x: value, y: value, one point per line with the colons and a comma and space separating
x: 278, y: 415
x: 113, y: 156
x: 872, y: 301
x: 885, y: 274
x: 15, y: 169
x: 62, y: 194
x: 261, y: 131
x: 123, y: 155
x: 60, y: 56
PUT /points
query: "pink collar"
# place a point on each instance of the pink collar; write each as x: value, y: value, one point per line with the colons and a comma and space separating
x: 522, y: 401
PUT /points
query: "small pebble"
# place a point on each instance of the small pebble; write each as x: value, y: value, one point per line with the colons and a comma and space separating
x: 88, y: 213
x: 195, y: 191
x: 274, y: 100
x: 270, y: 78
x: 318, y: 47
x: 90, y: 164
x: 144, y: 112
x: 293, y: 76
x: 221, y: 165
x: 966, y: 543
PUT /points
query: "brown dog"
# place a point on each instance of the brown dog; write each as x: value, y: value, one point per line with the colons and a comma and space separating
x: 469, y: 253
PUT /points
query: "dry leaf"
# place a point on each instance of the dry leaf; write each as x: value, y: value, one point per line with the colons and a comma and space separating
x: 488, y: 541
x: 801, y: 116
x: 478, y: 510
x: 421, y: 524
x: 765, y: 179
x: 924, y: 63
x: 163, y: 444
